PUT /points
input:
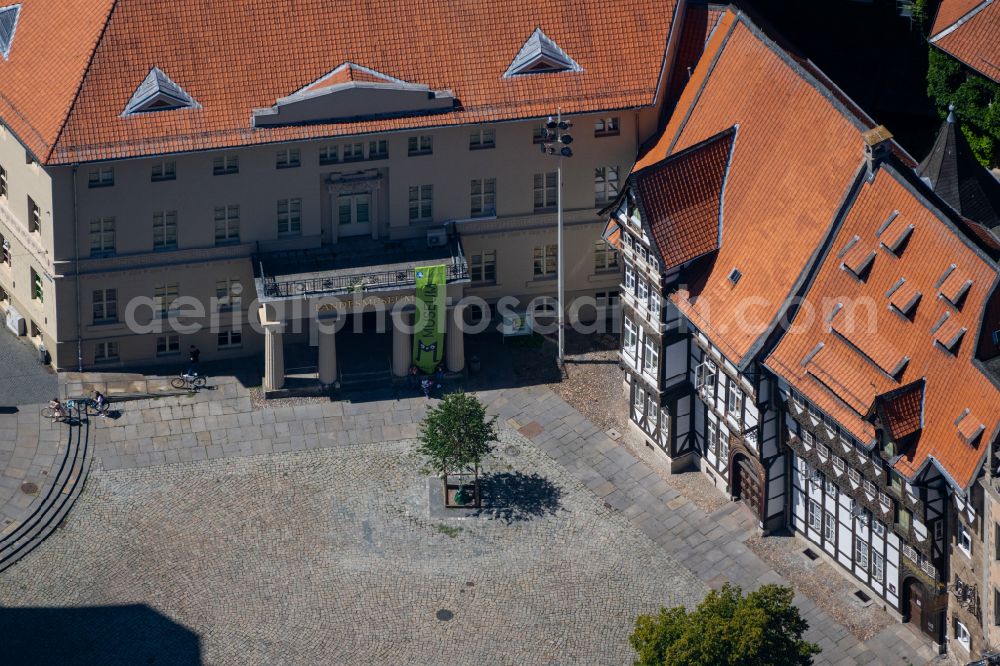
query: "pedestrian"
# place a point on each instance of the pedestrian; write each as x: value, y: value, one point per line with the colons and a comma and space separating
x: 101, y: 403
x: 412, y: 376
x: 194, y: 355
x: 58, y: 411
x: 439, y: 375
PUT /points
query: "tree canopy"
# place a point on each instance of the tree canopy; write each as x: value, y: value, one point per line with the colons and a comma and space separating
x: 456, y: 433
x: 976, y: 100
x: 762, y: 628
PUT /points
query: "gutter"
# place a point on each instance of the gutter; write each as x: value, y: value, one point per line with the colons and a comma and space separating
x: 76, y: 270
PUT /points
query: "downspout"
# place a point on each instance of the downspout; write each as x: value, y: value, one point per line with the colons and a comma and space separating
x: 76, y: 255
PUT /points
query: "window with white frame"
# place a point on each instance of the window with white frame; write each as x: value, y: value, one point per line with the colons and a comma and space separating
x: 225, y: 165
x: 802, y: 465
x: 878, y: 528
x: 353, y: 152
x: 829, y: 526
x: 163, y: 170
x: 864, y: 517
x: 939, y: 533
x: 962, y: 635
x: 378, y: 149
x: 483, y: 266
x: 105, y: 352
x: 629, y: 279
x: 228, y: 294
x: 105, y: 308
x: 651, y: 358
x: 861, y: 553
x: 854, y: 476
x: 546, y: 186
x: 734, y: 403
x: 606, y: 127
x: 420, y: 145
x: 605, y: 185
x: 483, y: 198
x: 289, y: 217
x: 227, y: 224
x: 807, y: 439
x: 482, y: 138
x: 878, y: 567
x: 711, y: 436
x: 654, y: 304
x: 544, y: 260
x: 838, y: 465
x: 34, y: 217
x: 329, y: 154
x: 102, y: 237
x: 288, y: 158
x: 631, y: 338
x: 165, y: 230
x: 164, y: 297
x: 167, y: 345
x: 605, y: 257
x: 831, y: 489
x: 421, y: 199
x: 964, y: 539
x: 814, y: 515
x: 723, y: 445
x: 230, y: 339
x: 824, y: 452
x: 101, y: 177
x: 869, y: 489
x: 651, y: 410
x: 705, y: 377
x: 639, y: 398
x: 642, y: 291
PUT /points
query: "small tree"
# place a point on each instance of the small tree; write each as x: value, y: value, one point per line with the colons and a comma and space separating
x: 976, y: 100
x: 455, y: 436
x: 727, y: 628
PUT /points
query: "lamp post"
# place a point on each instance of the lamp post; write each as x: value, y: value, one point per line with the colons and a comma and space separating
x: 556, y: 142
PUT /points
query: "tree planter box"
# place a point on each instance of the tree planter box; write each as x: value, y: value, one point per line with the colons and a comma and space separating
x: 471, y: 492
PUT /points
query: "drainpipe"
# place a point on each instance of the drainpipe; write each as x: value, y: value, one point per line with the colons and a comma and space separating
x: 76, y: 255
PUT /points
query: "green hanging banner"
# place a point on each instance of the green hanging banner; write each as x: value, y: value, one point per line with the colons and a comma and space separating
x: 428, y: 338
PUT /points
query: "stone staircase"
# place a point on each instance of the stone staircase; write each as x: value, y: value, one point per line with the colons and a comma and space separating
x: 54, y: 501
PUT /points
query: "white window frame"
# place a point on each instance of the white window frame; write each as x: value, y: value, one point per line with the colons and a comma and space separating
x: 421, y: 203
x: 329, y: 154
x: 353, y: 152
x: 105, y: 306
x: 861, y: 552
x: 227, y: 224
x: 545, y: 190
x: 102, y: 237
x: 807, y: 439
x: 734, y: 401
x: 106, y: 351
x: 164, y: 296
x: 605, y: 257
x: 168, y: 345
x: 650, y: 357
x: 829, y: 527
x: 290, y: 216
x: 814, y: 513
x: 483, y: 266
x: 606, y: 184
x: 544, y: 260
x: 630, y: 342
x: 230, y: 339
x: 824, y: 452
x: 165, y: 228
x: 854, y: 476
x: 878, y: 567
x: 483, y: 197
x: 963, y: 539
x: 228, y: 294
x: 629, y: 279
x: 838, y: 465
x: 101, y: 177
x: 962, y: 635
x: 610, y: 126
x: 378, y: 149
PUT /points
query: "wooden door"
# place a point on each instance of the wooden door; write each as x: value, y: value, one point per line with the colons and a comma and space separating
x: 749, y: 487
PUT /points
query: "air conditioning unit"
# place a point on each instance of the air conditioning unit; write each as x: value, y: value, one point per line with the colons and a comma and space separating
x: 437, y: 237
x: 15, y: 322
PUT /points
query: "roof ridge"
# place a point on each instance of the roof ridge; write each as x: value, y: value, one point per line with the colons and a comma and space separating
x: 83, y: 79
x: 962, y: 20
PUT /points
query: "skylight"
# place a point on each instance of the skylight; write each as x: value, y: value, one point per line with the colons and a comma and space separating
x: 541, y: 55
x: 8, y: 24
x: 158, y: 92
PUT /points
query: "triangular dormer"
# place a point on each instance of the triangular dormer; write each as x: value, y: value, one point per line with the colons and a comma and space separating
x: 8, y: 24
x: 158, y: 92
x: 541, y: 55
x: 352, y: 92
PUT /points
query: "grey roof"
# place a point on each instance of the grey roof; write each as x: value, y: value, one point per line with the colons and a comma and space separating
x: 956, y: 176
x: 8, y: 24
x: 541, y: 55
x: 158, y: 92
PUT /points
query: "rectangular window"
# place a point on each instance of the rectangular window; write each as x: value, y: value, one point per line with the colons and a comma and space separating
x: 3, y: 182
x: 639, y: 398
x: 964, y: 538
x: 378, y: 149
x: 807, y: 439
x: 903, y: 518
x: 878, y: 527
x: 838, y: 465
x: 870, y: 489
x: 711, y: 436
x: 996, y: 607
x: 651, y: 358
x: 631, y: 338
x: 34, y: 217
x: 642, y: 291
x: 544, y: 260
x: 996, y: 538
x: 421, y: 203
x: 607, y: 127
x: 105, y: 306
x: 289, y: 217
x: 484, y: 138
x: 165, y: 170
x: 545, y: 189
x: 854, y: 476
x: 101, y: 177
x: 105, y: 352
x: 5, y: 252
x: 605, y: 257
x: 354, y: 152
x: 483, y: 266
x: 824, y: 452
x: 484, y: 197
x: 861, y: 553
x: 878, y: 567
x: 288, y: 158
x: 164, y: 297
x: 723, y: 445
x: 225, y: 165
x: 814, y: 515
x: 735, y: 401
x: 629, y: 279
x: 420, y: 145
x: 168, y: 344
x: 606, y: 299
x: 230, y: 339
x: 102, y: 237
x: 227, y: 294
x: 227, y: 224
x: 829, y: 526
x: 831, y: 489
x: 165, y: 230
x: 37, y: 290
x: 605, y: 185
x: 329, y: 155
x: 538, y: 134
x: 962, y: 635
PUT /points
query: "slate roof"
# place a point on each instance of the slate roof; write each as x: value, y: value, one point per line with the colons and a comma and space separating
x: 952, y: 171
x: 681, y: 199
x: 76, y: 63
x: 969, y: 30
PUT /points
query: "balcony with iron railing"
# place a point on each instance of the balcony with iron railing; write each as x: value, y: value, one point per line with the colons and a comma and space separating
x: 354, y: 265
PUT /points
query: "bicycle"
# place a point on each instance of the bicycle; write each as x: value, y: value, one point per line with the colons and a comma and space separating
x: 189, y: 382
x: 61, y: 414
x: 83, y: 405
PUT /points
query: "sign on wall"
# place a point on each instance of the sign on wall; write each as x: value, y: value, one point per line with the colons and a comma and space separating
x: 428, y: 338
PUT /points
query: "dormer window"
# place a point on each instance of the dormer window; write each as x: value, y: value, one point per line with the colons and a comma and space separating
x: 954, y: 285
x: 158, y: 92
x: 948, y: 332
x: 540, y: 55
x: 8, y: 24
x: 903, y: 298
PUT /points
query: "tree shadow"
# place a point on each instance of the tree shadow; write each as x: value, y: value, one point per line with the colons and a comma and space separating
x: 132, y: 634
x: 515, y: 497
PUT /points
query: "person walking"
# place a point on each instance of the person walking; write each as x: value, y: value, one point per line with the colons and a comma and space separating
x: 194, y: 356
x: 101, y: 403
x: 59, y: 412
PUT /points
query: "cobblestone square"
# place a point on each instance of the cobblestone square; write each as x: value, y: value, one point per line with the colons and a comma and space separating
x: 332, y: 556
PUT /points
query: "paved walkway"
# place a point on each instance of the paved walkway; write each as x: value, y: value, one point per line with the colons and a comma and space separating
x: 25, y: 380
x: 220, y: 423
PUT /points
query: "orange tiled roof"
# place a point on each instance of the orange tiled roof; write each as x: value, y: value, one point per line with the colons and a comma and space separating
x: 952, y: 383
x: 969, y: 30
x: 237, y: 55
x: 681, y: 199
x: 902, y: 411
x: 699, y: 22
x: 796, y: 156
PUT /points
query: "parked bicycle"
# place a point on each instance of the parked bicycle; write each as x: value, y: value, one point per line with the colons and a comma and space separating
x: 189, y: 382
x: 88, y: 406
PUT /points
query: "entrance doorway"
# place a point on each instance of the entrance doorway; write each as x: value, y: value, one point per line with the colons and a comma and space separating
x: 746, y: 485
x: 354, y: 214
x: 915, y: 610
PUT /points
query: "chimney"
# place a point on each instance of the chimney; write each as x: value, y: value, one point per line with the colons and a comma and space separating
x: 876, y: 147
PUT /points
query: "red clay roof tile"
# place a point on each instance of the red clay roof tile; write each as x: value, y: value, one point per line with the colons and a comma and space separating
x: 902, y: 411
x: 969, y: 30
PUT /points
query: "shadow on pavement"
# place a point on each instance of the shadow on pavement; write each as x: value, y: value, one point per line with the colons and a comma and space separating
x: 134, y: 634
x: 515, y: 497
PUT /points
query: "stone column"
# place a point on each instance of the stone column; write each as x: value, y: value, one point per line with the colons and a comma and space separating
x: 274, y: 353
x: 454, y: 341
x: 327, y: 355
x: 402, y: 344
